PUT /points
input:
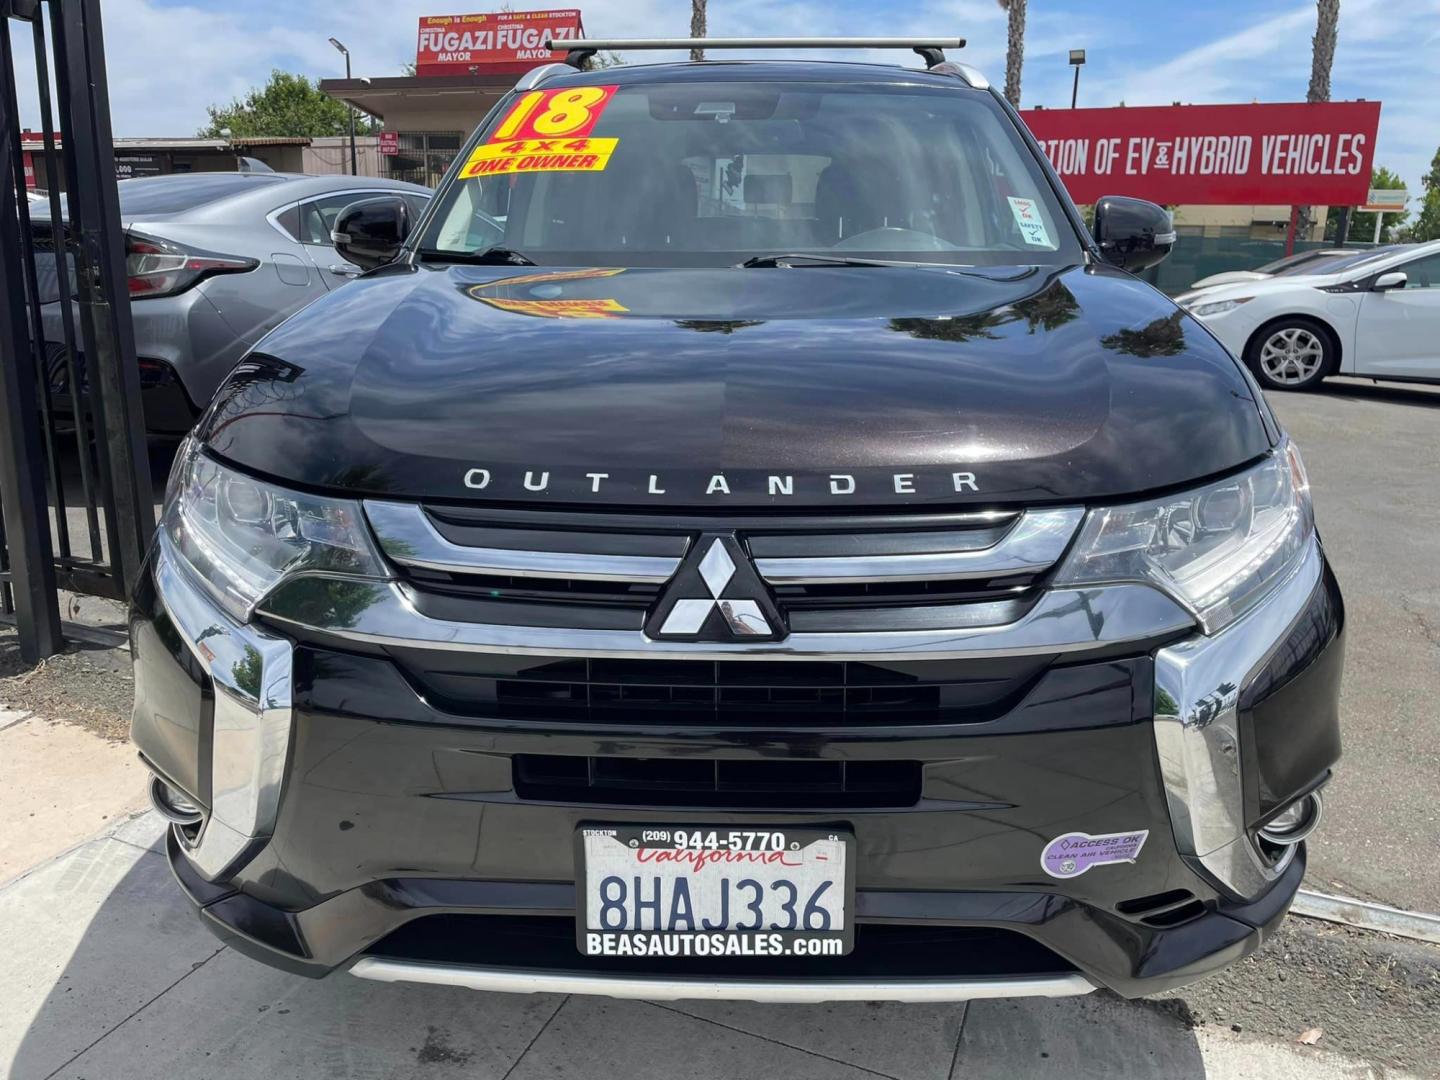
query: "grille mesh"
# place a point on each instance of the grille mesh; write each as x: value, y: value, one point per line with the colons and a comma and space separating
x: 730, y: 692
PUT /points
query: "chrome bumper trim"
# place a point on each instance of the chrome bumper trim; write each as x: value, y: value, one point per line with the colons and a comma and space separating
x: 251, y: 672
x: 1062, y: 621
x: 1198, y: 683
x: 802, y: 992
x: 410, y: 538
x: 1034, y: 543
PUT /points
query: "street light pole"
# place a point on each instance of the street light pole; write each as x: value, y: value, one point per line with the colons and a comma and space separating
x: 354, y: 166
x: 1077, y: 60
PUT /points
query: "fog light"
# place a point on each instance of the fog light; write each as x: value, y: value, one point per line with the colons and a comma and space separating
x: 173, y: 804
x: 1295, y: 822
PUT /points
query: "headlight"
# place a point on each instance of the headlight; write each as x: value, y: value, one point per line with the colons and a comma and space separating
x: 242, y: 536
x: 1217, y: 550
x: 1218, y: 307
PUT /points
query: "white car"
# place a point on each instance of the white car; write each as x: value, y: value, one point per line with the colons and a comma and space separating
x: 1302, y: 262
x: 1374, y: 313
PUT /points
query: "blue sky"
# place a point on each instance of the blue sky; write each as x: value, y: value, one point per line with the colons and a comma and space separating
x: 168, y: 59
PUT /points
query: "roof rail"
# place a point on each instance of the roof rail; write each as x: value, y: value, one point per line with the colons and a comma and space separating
x: 932, y: 50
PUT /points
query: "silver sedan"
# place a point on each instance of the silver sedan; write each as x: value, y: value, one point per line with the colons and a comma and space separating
x: 215, y: 261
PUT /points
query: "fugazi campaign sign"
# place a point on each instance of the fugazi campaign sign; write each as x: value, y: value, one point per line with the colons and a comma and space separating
x: 1291, y: 154
x: 501, y: 43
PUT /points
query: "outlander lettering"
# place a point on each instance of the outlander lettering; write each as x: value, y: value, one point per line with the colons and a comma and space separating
x: 717, y: 484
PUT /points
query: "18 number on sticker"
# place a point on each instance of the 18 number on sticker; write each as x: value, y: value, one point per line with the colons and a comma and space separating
x: 551, y: 114
x: 547, y: 131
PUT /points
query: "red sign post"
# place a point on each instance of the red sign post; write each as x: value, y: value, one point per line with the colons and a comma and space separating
x: 508, y: 42
x: 1222, y: 155
x: 389, y: 143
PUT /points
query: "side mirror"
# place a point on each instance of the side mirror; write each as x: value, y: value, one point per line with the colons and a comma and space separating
x: 370, y: 232
x: 1133, y: 234
x: 1391, y: 279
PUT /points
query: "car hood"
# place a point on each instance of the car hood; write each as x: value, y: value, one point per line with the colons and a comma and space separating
x: 808, y: 386
x: 1229, y: 277
x: 1265, y: 286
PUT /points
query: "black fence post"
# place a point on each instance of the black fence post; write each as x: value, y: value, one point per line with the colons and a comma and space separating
x: 23, y: 502
x: 104, y: 303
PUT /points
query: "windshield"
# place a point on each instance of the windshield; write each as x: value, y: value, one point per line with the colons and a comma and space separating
x: 710, y: 174
x: 1300, y: 258
x: 1333, y: 262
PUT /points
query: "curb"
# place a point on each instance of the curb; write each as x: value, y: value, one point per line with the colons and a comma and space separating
x: 1365, y: 915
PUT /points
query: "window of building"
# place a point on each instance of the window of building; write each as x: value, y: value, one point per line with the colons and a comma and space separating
x: 424, y: 156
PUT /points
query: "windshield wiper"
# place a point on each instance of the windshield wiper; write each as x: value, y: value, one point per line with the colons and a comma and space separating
x: 494, y: 256
x: 802, y: 259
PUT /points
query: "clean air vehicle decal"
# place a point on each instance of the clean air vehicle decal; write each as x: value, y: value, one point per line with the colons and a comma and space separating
x: 1071, y: 855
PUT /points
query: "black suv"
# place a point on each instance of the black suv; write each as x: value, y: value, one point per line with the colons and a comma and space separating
x: 748, y: 539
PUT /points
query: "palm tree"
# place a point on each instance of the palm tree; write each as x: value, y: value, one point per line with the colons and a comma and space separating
x: 1015, y: 48
x: 697, y: 26
x: 1322, y: 50
x: 1322, y: 58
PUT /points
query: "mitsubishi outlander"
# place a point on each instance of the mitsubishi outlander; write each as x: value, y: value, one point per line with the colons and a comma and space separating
x: 748, y: 538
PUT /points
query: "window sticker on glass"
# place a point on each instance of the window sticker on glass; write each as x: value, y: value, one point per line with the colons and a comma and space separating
x: 539, y: 155
x: 1032, y: 225
x: 547, y: 131
x: 546, y: 114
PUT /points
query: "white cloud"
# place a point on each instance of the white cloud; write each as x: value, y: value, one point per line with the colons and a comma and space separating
x: 1381, y: 55
x: 168, y: 61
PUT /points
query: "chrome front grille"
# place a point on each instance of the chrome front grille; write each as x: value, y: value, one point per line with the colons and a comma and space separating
x: 946, y: 572
x: 879, y: 588
x: 412, y: 537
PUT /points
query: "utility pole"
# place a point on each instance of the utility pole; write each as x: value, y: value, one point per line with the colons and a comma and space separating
x: 354, y: 164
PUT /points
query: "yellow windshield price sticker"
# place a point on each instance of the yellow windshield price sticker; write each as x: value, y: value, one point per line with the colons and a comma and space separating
x: 539, y: 155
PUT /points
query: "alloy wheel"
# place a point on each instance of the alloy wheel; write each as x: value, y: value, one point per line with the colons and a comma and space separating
x: 1292, y: 356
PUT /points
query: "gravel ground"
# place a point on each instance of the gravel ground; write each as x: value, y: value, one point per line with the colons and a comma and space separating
x: 86, y: 684
x: 1371, y: 995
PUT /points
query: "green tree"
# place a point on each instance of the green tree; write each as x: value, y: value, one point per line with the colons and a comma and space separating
x: 287, y: 105
x: 1362, y: 224
x: 1427, y: 225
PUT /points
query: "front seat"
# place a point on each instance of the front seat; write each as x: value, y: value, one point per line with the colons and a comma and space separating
x: 845, y: 205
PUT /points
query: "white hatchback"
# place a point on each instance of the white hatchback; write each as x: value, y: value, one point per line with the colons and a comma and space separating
x: 1374, y: 313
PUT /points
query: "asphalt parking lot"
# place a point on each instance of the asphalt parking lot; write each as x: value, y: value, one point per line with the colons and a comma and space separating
x: 1373, y: 454
x: 110, y: 977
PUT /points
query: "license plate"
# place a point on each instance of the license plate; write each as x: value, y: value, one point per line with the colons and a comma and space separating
x: 698, y: 891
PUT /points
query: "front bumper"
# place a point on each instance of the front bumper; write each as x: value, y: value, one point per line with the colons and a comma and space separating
x: 350, y: 822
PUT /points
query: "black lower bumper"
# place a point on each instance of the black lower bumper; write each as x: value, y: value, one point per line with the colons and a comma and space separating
x: 401, y: 832
x: 965, y: 937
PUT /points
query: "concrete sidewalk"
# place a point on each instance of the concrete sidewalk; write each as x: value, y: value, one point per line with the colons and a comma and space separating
x: 109, y: 977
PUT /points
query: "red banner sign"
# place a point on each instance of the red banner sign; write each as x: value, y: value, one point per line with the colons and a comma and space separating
x: 1224, y: 155
x: 389, y: 143
x: 498, y: 43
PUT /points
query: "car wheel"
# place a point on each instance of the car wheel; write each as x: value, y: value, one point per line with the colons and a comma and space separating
x: 1293, y: 354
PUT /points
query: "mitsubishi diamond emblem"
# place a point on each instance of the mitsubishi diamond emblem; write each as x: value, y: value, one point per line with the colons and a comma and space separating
x: 716, y: 595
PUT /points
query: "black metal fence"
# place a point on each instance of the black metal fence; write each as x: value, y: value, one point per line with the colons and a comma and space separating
x: 76, y: 510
